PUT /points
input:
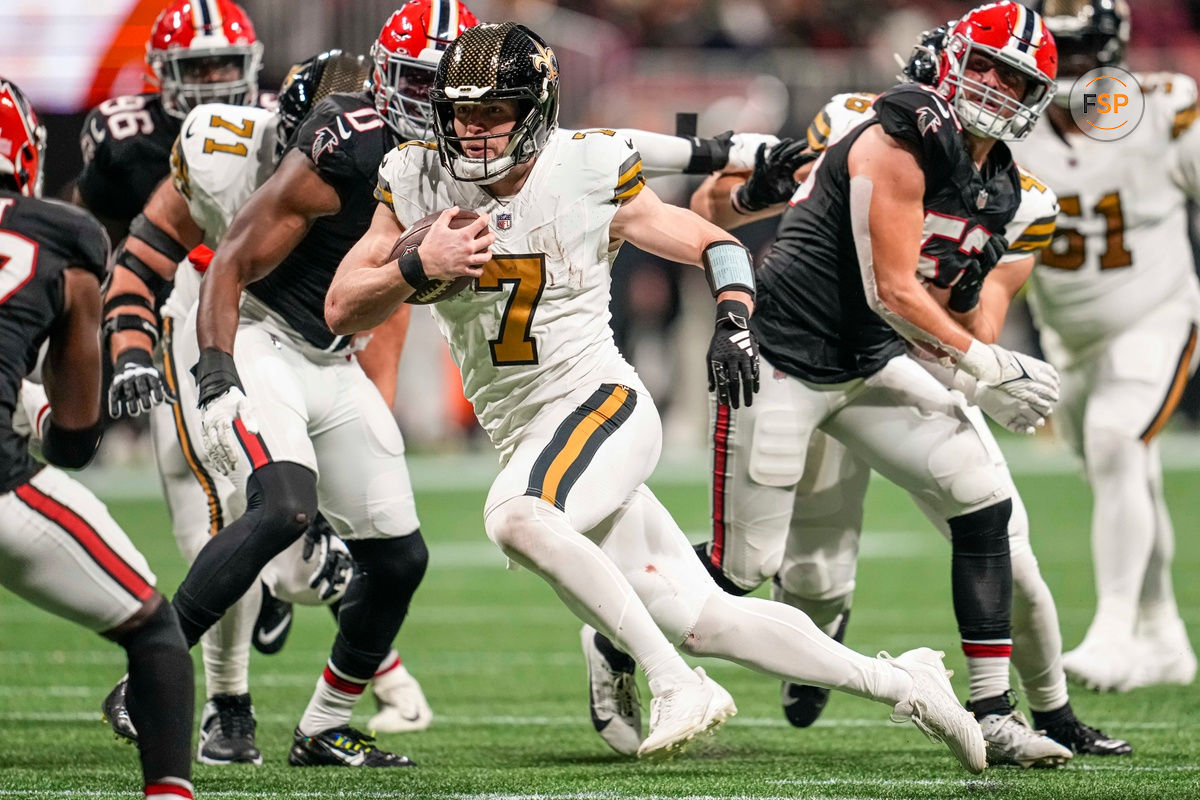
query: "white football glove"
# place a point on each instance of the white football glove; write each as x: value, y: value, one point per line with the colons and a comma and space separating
x: 217, y: 434
x: 31, y: 414
x: 333, y: 566
x: 1030, y: 385
x: 743, y: 146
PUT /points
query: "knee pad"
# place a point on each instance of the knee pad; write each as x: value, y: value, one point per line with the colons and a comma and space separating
x: 371, y: 612
x: 965, y: 474
x: 1111, y: 455
x: 817, y: 581
x: 281, y: 499
x: 393, y: 563
x: 511, y: 526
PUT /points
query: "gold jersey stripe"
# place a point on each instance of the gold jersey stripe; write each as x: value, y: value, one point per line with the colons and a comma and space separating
x: 587, y: 427
x: 1183, y: 121
x: 1175, y: 393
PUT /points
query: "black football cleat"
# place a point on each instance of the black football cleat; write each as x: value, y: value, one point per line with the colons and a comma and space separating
x: 227, y: 731
x: 342, y: 747
x: 114, y: 712
x: 803, y: 704
x: 1086, y: 740
x: 273, y: 625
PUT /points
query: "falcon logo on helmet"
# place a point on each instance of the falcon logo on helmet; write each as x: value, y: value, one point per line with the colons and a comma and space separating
x: 496, y: 62
x: 406, y: 56
x: 204, y: 51
x: 1015, y: 40
x: 22, y: 140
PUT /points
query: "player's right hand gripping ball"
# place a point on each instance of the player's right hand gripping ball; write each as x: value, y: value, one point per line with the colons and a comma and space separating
x: 433, y: 290
x: 733, y: 355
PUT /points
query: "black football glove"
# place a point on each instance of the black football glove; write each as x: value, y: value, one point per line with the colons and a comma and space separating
x: 964, y: 294
x: 773, y: 179
x: 136, y: 386
x: 733, y: 355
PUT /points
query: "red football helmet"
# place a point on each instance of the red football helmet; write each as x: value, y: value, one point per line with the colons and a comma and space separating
x: 1015, y: 39
x: 406, y: 56
x: 22, y: 140
x: 204, y: 51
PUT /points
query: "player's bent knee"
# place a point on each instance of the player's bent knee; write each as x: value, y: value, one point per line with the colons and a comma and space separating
x: 283, y: 497
x: 514, y: 527
x: 966, y: 477
x: 398, y: 563
x: 816, y: 581
x: 154, y: 626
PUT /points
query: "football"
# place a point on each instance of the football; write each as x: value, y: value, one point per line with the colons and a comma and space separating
x: 436, y: 290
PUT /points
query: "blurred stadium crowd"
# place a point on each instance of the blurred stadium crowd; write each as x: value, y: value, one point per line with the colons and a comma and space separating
x: 749, y: 65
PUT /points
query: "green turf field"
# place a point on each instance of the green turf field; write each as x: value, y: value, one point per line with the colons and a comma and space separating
x: 499, y: 661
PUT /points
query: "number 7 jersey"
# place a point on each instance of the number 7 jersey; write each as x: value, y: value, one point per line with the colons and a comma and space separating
x: 535, y: 326
x: 1121, y: 249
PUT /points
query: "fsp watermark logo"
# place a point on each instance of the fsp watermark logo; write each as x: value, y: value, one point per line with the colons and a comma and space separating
x: 1107, y: 103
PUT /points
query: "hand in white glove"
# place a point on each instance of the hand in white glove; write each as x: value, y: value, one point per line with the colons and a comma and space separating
x: 217, y: 420
x: 332, y: 563
x: 1029, y: 384
x: 30, y: 416
x: 743, y: 147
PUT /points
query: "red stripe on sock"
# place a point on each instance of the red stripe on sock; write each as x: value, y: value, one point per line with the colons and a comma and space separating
x: 253, y: 444
x: 87, y: 537
x: 972, y: 650
x: 720, y: 454
x: 167, y: 789
x: 341, y: 684
x: 395, y: 662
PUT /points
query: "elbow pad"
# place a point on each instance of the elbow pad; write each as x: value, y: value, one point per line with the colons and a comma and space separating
x: 70, y: 449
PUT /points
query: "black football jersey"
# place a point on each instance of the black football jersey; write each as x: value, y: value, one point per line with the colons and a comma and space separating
x: 39, y: 239
x: 811, y: 314
x: 346, y: 139
x: 126, y: 144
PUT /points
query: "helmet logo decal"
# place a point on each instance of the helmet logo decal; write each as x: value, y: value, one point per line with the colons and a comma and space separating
x: 544, y: 61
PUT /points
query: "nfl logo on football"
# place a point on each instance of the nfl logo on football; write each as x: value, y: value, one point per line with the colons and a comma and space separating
x: 503, y: 221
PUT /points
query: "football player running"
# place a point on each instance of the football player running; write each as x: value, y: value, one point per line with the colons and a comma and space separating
x: 906, y: 199
x: 225, y: 153
x: 813, y: 558
x: 59, y: 548
x: 1116, y: 299
x: 200, y: 51
x: 576, y: 431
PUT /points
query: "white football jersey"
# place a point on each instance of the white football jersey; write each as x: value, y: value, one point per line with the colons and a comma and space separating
x: 1028, y: 231
x: 535, y: 326
x: 1121, y: 247
x: 222, y: 155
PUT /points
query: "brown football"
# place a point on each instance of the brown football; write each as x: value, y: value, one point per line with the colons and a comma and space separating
x: 436, y: 290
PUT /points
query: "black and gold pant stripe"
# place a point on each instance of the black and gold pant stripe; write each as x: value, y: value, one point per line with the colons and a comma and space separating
x: 171, y: 375
x: 1175, y: 391
x: 576, y: 441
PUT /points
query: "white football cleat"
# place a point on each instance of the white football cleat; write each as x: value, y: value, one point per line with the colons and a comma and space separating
x: 613, y: 698
x: 1010, y: 740
x: 934, y: 709
x: 1165, y: 655
x: 1103, y: 664
x: 402, y: 705
x: 683, y: 712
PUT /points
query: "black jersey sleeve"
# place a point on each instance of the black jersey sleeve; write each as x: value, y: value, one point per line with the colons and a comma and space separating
x: 346, y: 139
x: 83, y: 241
x: 924, y: 120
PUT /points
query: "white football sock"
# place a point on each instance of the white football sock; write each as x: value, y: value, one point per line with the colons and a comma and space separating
x: 1037, y: 638
x: 1123, y: 528
x: 332, y: 702
x: 226, y: 646
x: 539, y: 537
x: 782, y: 641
